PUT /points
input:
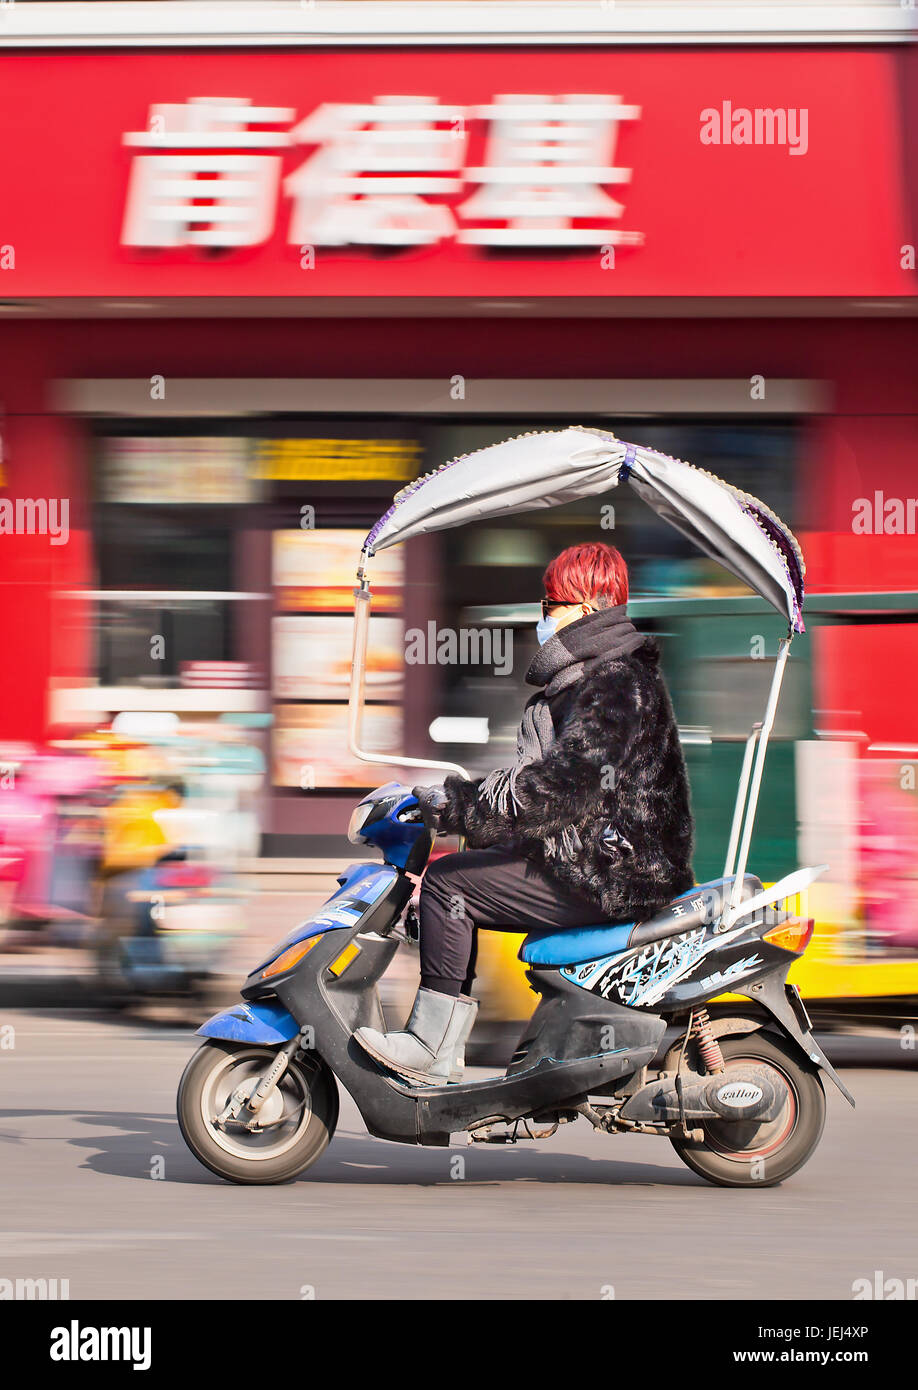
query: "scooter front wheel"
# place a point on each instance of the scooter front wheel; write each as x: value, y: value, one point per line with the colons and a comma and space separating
x: 737, y: 1153
x: 294, y: 1126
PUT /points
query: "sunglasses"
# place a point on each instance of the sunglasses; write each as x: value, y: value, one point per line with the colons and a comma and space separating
x: 548, y: 604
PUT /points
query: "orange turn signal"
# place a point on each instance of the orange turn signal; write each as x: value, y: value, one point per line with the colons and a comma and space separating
x: 290, y: 956
x: 792, y: 935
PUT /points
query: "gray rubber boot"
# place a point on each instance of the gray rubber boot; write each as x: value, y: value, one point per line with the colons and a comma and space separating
x: 467, y: 1012
x: 424, y: 1050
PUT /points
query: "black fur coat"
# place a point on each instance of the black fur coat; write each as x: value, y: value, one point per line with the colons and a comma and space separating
x: 615, y: 773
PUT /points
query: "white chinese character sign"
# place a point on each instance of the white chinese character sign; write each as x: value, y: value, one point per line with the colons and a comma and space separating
x: 499, y: 173
x: 376, y: 172
x: 391, y: 172
x: 211, y: 181
x: 547, y: 161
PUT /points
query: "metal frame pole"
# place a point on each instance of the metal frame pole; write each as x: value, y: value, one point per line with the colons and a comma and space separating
x: 362, y: 604
x: 756, y: 783
x: 741, y: 790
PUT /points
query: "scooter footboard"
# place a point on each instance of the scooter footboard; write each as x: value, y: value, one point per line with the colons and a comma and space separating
x: 447, y: 1110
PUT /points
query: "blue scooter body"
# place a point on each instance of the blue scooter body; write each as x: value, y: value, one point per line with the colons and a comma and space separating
x: 266, y: 1020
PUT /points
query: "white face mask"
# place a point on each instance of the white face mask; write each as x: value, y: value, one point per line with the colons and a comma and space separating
x: 546, y: 629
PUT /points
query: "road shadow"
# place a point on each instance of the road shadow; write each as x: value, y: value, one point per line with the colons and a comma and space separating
x: 356, y: 1160
x: 127, y: 1145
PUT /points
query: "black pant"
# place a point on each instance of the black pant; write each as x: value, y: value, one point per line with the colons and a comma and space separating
x: 485, y: 888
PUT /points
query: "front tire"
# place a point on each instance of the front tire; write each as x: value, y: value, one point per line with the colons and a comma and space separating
x: 752, y: 1154
x: 300, y: 1114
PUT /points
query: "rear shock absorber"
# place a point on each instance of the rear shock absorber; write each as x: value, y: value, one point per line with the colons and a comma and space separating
x: 708, y: 1046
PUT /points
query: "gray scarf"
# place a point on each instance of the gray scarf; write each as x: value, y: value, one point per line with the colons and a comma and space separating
x: 593, y: 639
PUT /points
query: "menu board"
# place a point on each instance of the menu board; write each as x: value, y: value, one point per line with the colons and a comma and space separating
x: 311, y: 658
x: 189, y: 469
x: 313, y: 572
x: 312, y: 638
x: 310, y: 746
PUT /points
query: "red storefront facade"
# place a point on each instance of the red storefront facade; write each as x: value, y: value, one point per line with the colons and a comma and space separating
x: 683, y: 252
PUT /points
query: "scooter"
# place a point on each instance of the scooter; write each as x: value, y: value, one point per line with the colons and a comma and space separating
x: 737, y: 1091
x: 630, y: 1032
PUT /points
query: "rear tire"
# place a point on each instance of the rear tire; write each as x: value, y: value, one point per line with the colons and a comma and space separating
x: 748, y: 1154
x: 303, y: 1109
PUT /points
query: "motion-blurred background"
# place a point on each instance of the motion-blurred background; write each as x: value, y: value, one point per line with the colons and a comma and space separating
x: 232, y: 326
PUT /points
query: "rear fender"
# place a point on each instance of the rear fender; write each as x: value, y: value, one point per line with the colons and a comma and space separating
x: 734, y: 1022
x: 778, y: 997
x: 265, y: 1021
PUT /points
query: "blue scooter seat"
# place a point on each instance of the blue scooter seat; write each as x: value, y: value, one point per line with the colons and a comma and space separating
x: 575, y: 944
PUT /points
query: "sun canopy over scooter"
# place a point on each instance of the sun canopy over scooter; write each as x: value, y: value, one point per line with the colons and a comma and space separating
x: 548, y: 468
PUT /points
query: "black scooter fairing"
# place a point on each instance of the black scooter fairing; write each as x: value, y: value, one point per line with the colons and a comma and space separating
x: 568, y: 1055
x: 572, y: 1022
x: 706, y: 965
x: 577, y: 1042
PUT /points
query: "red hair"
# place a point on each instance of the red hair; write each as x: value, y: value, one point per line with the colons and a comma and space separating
x: 585, y: 573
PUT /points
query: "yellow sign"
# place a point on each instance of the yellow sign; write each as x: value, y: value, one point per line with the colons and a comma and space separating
x: 336, y: 460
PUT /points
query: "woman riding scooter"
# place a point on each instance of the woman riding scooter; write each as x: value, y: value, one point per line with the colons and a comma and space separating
x: 592, y: 823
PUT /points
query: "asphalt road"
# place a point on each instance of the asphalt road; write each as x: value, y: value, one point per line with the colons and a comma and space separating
x: 87, y: 1117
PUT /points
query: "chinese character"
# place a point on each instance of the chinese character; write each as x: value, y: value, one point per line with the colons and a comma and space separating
x: 376, y: 165
x: 215, y: 190
x: 546, y: 159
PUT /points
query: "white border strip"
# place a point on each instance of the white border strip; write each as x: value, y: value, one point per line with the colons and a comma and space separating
x: 434, y: 396
x: 362, y: 23
x: 67, y: 704
x: 161, y: 595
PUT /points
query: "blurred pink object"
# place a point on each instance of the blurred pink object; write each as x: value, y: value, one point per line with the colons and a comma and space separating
x: 30, y: 832
x: 889, y: 854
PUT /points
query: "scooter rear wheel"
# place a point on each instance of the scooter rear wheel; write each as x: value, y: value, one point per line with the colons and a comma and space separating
x: 750, y: 1154
x: 297, y: 1120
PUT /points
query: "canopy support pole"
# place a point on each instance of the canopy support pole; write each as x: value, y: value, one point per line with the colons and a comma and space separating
x: 756, y: 782
x: 741, y: 790
x: 362, y: 604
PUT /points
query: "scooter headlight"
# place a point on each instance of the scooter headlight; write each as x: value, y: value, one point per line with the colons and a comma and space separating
x: 357, y: 821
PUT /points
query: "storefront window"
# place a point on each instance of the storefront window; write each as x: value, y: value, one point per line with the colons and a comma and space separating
x: 492, y: 574
x: 174, y: 504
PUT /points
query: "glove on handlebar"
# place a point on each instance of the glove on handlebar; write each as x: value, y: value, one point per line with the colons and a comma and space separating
x: 431, y: 800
